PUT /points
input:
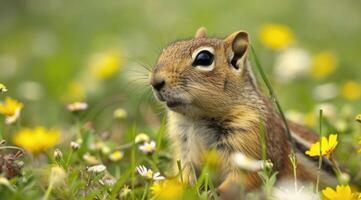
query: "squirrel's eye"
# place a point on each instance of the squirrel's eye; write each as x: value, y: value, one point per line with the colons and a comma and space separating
x: 203, y: 58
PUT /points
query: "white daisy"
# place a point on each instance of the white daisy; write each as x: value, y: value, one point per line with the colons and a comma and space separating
x: 158, y: 177
x: 147, y: 147
x: 77, y: 106
x: 97, y: 168
x: 149, y: 174
x: 285, y: 190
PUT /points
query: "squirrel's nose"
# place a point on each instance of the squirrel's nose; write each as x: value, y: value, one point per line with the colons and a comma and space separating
x: 158, y: 84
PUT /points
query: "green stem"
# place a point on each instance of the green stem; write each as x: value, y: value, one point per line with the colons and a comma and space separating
x: 69, y: 158
x: 263, y: 143
x: 158, y: 144
x: 145, y: 194
x: 320, y: 157
x: 336, y: 167
x: 48, y: 191
x: 179, y: 165
x: 206, y: 184
x: 133, y: 161
x: 274, y: 98
x: 294, y: 166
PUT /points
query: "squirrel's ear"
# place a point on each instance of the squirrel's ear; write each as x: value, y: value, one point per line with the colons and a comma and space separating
x: 236, y: 46
x: 201, y: 33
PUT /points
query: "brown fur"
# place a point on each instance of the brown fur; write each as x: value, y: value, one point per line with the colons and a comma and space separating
x: 221, y: 109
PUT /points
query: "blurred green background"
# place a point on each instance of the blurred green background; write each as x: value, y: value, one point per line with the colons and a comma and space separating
x: 47, y: 48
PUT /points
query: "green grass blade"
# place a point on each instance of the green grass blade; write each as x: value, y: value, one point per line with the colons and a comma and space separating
x: 273, y: 97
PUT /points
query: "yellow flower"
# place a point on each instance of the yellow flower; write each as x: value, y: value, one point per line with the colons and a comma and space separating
x: 116, y: 156
x: 358, y: 118
x: 77, y: 106
x: 328, y: 146
x: 11, y: 109
x: 168, y: 189
x: 359, y: 142
x: 105, y: 65
x: 342, y: 192
x: 351, y: 90
x: 276, y: 36
x: 37, y: 140
x: 3, y: 88
x: 324, y: 64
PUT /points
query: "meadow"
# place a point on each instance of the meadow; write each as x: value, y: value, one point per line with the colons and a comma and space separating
x: 78, y: 119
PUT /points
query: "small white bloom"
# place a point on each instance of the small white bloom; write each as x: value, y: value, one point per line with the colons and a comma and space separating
x: 58, y: 154
x: 149, y: 174
x: 141, y: 137
x: 77, y: 106
x: 158, y: 177
x: 285, y: 191
x: 325, y: 91
x: 108, y: 181
x: 147, y: 147
x: 143, y: 171
x: 291, y: 64
x: 97, y: 168
x: 246, y: 163
x: 75, y: 146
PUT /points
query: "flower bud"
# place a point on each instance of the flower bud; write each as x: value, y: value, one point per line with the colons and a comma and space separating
x: 3, y: 88
x: 344, y: 178
x: 97, y: 168
x: 267, y: 164
x: 141, y: 137
x: 75, y: 146
x: 120, y: 113
x: 58, y: 155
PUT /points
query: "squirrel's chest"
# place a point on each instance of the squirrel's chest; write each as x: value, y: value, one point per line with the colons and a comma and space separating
x: 194, y: 138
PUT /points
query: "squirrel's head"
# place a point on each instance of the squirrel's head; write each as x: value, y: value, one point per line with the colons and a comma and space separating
x: 203, y: 75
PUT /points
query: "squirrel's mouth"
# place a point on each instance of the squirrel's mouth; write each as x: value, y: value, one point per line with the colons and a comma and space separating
x: 174, y: 103
x: 171, y: 102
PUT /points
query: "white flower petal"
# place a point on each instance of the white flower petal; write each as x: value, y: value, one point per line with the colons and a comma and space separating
x: 97, y: 168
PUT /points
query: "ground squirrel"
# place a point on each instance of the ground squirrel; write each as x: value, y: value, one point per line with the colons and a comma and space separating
x: 213, y: 102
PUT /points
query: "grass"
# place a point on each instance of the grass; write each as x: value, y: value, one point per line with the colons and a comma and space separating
x: 47, y: 56
x: 76, y: 181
